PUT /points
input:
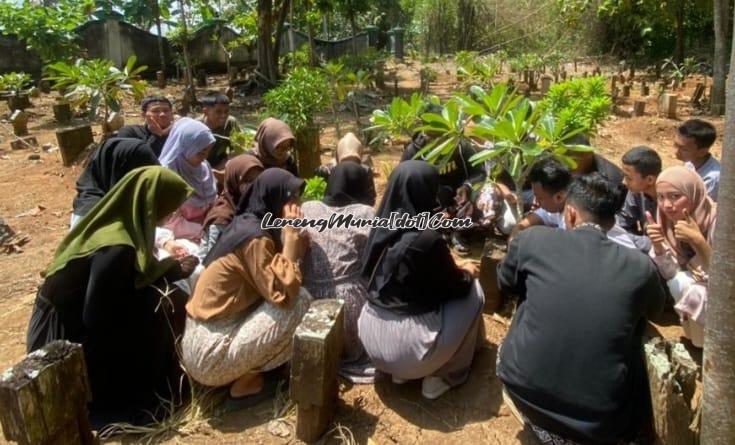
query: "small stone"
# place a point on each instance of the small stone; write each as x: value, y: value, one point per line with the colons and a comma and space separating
x: 47, y: 146
x: 34, y: 157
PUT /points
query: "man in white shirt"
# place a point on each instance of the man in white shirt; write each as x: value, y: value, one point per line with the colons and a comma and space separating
x: 693, y: 141
x: 549, y: 181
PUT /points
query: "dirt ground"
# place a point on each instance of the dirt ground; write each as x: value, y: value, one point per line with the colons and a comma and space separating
x: 35, y: 199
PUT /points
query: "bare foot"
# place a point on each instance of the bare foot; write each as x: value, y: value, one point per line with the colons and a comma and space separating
x: 247, y: 385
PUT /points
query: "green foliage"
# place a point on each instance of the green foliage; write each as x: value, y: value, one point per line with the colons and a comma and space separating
x: 94, y: 83
x: 315, y: 188
x: 243, y: 140
x: 509, y: 130
x: 366, y: 61
x: 301, y: 58
x: 476, y: 69
x: 49, y: 31
x: 247, y: 24
x: 14, y: 82
x: 680, y: 71
x: 579, y: 103
x: 400, y: 118
x: 301, y: 95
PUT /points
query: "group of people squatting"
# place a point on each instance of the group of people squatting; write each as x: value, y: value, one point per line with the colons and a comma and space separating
x: 167, y: 265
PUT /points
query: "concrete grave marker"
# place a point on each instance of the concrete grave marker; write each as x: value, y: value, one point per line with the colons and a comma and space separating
x: 73, y: 141
x: 19, y: 119
x: 43, y: 399
x: 317, y: 348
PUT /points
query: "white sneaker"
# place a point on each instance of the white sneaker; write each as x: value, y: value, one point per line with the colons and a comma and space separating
x: 398, y: 381
x: 433, y: 387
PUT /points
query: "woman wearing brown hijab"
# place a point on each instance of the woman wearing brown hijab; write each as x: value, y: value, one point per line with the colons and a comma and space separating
x: 682, y: 236
x: 240, y: 172
x: 273, y: 144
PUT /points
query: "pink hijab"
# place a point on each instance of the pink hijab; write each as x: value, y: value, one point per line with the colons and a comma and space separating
x: 704, y: 210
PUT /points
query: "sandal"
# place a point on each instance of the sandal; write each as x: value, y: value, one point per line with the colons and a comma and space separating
x: 270, y: 386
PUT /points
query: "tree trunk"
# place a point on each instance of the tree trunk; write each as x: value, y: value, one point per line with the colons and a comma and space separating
x: 721, y: 15
x: 266, y: 65
x: 285, y: 7
x: 679, y: 19
x: 718, y: 422
x: 353, y: 24
x: 187, y: 61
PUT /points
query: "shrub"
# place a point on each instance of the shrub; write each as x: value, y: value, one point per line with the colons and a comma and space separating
x: 580, y: 104
x: 315, y: 188
x: 303, y: 94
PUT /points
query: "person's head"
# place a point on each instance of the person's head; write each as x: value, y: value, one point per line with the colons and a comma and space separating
x: 158, y: 109
x: 641, y: 167
x: 240, y: 172
x: 585, y: 159
x: 189, y: 140
x: 270, y: 192
x: 412, y: 188
x: 349, y: 147
x: 693, y: 140
x: 592, y: 198
x: 275, y: 141
x: 679, y: 191
x: 216, y: 109
x: 549, y: 180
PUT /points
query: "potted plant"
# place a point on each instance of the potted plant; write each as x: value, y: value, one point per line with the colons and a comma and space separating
x: 297, y: 100
x: 13, y: 83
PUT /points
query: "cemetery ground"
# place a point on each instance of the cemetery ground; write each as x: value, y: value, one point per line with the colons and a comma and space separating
x: 35, y: 200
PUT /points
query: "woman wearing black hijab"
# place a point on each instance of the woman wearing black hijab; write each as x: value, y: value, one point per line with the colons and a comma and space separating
x: 333, y: 264
x: 110, y: 163
x: 249, y: 300
x: 424, y: 313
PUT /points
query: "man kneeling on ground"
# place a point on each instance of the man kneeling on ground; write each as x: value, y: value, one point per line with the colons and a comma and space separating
x: 572, y: 362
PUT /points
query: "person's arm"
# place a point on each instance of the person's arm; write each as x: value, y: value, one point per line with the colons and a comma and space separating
x: 654, y: 294
x: 276, y: 277
x: 532, y: 219
x: 509, y: 269
x: 629, y: 215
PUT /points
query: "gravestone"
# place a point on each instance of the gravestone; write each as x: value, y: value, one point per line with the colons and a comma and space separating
x: 626, y: 90
x: 19, y: 102
x: 161, y: 79
x: 639, y: 108
x: 19, y: 119
x: 34, y: 92
x: 668, y: 105
x: 645, y: 90
x: 492, y: 255
x: 317, y: 347
x: 698, y: 93
x: 230, y: 93
x: 22, y: 143
x: 232, y: 73
x: 545, y: 84
x: 564, y: 75
x: 73, y: 141
x: 613, y: 83
x: 115, y: 121
x: 62, y: 112
x: 43, y: 399
x: 672, y: 379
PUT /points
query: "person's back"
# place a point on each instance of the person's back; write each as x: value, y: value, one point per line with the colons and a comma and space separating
x: 572, y: 359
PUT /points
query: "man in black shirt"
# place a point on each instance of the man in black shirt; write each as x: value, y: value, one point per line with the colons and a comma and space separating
x: 158, y: 115
x: 572, y: 362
